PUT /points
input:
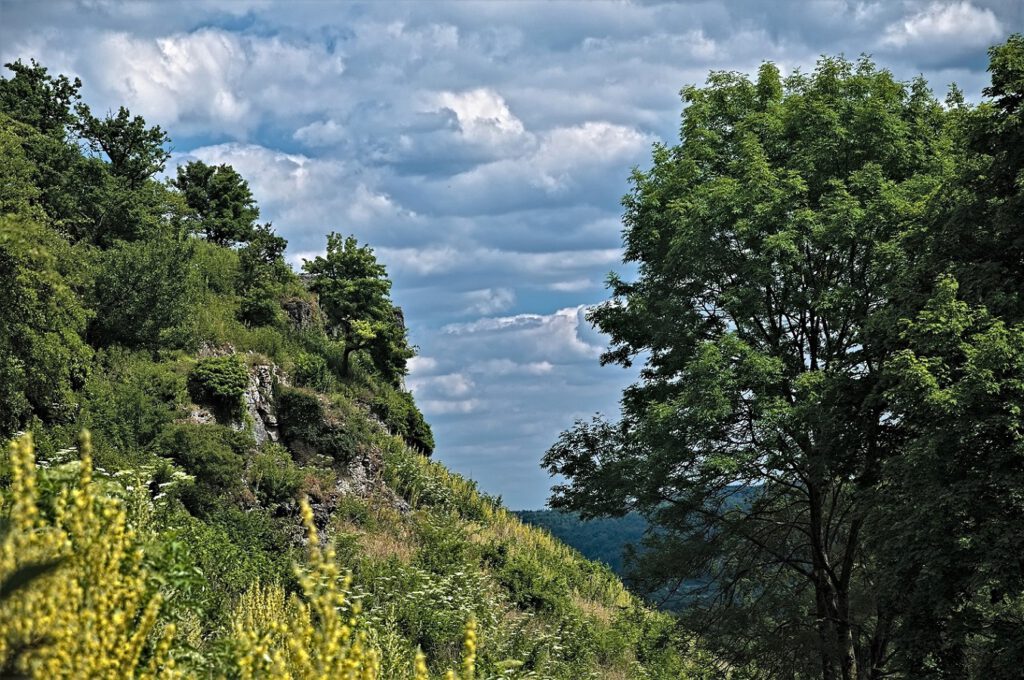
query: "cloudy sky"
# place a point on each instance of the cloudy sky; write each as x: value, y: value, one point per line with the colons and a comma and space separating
x: 480, y: 147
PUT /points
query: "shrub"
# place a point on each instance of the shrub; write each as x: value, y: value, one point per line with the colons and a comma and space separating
x: 129, y: 399
x: 311, y: 370
x: 220, y: 382
x: 259, y: 308
x: 308, y: 428
x: 398, y: 411
x: 43, y: 359
x: 273, y: 475
x: 143, y: 293
x: 213, y: 455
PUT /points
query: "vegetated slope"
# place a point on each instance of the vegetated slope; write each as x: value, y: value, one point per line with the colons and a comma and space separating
x: 226, y: 399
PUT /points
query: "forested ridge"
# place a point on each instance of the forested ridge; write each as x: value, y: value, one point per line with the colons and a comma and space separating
x: 214, y: 468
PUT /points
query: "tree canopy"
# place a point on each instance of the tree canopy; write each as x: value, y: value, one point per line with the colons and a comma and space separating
x: 785, y: 248
x: 222, y: 205
x: 354, y: 294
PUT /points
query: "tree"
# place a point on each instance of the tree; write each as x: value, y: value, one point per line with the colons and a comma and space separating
x: 950, y: 526
x: 770, y: 245
x: 135, y: 152
x: 43, y: 358
x: 143, y: 292
x: 354, y: 295
x: 224, y: 208
x: 38, y: 99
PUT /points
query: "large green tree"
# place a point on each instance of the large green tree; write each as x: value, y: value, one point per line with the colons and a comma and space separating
x: 136, y: 152
x: 770, y: 245
x: 223, y: 207
x: 354, y: 293
x: 951, y: 522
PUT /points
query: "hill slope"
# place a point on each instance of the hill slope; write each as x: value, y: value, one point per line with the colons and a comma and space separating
x: 243, y: 421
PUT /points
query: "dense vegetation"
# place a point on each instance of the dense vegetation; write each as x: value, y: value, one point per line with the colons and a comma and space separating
x: 252, y: 495
x: 828, y: 424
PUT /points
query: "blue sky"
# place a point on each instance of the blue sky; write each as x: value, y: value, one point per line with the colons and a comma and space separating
x: 480, y: 147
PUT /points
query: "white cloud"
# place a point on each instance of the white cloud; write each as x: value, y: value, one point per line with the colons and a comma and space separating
x: 435, y: 407
x: 434, y: 260
x: 420, y: 365
x: 483, y: 114
x: 306, y: 196
x: 496, y: 367
x: 572, y: 286
x: 489, y: 300
x: 321, y: 133
x: 941, y: 25
x: 210, y: 79
x: 542, y: 337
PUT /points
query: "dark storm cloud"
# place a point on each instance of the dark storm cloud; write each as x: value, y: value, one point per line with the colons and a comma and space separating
x: 480, y: 147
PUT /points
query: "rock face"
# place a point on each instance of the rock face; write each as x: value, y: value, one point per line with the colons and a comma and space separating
x: 301, y: 313
x: 258, y: 401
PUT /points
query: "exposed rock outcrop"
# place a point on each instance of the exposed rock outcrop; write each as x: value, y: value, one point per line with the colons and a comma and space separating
x: 258, y: 403
x: 302, y: 314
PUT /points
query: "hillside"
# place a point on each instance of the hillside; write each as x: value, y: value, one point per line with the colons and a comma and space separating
x: 253, y: 495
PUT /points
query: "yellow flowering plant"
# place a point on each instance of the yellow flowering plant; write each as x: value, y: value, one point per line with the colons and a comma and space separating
x: 88, y: 613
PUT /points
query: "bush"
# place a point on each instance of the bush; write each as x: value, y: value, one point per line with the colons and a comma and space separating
x: 129, y: 399
x: 144, y: 292
x: 311, y: 370
x: 399, y: 412
x: 213, y: 455
x: 220, y: 382
x: 307, y: 428
x: 43, y: 359
x: 258, y: 308
x: 273, y: 475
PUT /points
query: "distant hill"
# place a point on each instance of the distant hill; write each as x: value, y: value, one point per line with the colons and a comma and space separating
x: 602, y: 540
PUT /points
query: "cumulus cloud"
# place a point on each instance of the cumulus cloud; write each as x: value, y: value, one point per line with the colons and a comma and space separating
x: 489, y: 300
x: 209, y: 80
x: 558, y: 336
x: 959, y: 24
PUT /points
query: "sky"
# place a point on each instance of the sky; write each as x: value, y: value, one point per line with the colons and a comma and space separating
x: 481, y: 149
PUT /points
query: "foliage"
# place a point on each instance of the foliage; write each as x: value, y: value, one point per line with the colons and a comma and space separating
x: 311, y: 370
x: 222, y: 206
x: 210, y: 453
x: 789, y: 436
x: 353, y: 289
x: 43, y: 358
x: 308, y: 427
x: 91, y: 616
x: 399, y: 412
x: 273, y: 475
x: 134, y: 151
x: 143, y: 293
x: 38, y: 99
x: 220, y: 381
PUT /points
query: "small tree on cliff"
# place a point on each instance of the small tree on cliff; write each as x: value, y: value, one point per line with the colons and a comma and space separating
x: 354, y: 295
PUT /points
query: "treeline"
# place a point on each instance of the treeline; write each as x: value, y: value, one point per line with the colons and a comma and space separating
x: 830, y: 315
x: 604, y: 539
x: 97, y: 256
